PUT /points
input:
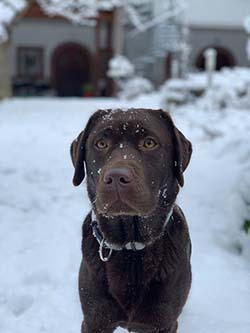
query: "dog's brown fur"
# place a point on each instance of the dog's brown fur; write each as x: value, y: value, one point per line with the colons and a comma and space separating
x: 143, y: 291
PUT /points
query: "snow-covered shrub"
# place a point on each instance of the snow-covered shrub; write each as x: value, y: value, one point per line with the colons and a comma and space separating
x: 180, y: 91
x: 218, y: 98
x: 122, y: 71
x: 134, y: 87
x: 231, y: 88
x: 120, y: 68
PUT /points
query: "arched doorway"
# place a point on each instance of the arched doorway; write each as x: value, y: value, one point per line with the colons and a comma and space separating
x: 70, y: 70
x: 224, y: 58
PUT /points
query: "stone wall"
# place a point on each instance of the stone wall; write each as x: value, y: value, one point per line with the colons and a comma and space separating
x: 5, y: 76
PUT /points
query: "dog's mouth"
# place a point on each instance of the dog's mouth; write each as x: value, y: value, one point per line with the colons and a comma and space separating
x: 117, y: 207
x: 129, y: 216
x: 128, y: 204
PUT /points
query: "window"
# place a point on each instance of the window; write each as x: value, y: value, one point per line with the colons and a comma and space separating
x: 30, y: 62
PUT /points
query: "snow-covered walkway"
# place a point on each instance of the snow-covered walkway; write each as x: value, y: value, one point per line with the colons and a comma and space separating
x: 40, y: 216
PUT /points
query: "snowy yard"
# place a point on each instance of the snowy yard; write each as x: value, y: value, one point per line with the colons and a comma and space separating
x: 41, y: 215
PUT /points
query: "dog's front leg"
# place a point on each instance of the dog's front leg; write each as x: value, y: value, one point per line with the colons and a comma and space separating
x: 94, y: 328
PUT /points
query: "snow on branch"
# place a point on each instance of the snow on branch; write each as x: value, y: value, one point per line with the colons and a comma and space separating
x: 8, y: 10
x: 81, y: 11
x: 175, y: 9
x: 135, y: 18
x: 85, y: 11
x: 10, y: 4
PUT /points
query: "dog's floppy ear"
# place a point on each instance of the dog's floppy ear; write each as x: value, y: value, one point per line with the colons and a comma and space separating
x: 77, y: 152
x: 182, y: 149
x: 78, y: 148
x: 183, y: 152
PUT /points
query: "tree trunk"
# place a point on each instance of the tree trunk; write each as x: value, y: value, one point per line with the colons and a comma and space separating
x: 118, y: 35
x: 5, y: 75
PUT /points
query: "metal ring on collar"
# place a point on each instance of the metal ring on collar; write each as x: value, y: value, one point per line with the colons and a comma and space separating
x: 102, y: 257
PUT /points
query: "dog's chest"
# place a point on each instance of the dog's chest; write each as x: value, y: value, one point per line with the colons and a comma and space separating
x: 125, y: 279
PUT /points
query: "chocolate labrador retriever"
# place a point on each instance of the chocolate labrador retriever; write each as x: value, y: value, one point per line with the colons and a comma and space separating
x: 135, y: 271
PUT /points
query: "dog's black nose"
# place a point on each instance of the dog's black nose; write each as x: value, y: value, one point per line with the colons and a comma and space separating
x: 118, y: 176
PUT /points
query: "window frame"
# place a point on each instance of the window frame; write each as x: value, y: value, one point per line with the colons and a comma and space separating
x: 40, y: 72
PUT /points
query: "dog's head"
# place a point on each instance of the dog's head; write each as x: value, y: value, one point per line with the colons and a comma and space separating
x: 134, y: 160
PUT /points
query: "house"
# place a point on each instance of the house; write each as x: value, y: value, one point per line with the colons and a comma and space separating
x: 45, y: 51
x: 218, y: 24
x: 205, y: 24
x: 49, y: 54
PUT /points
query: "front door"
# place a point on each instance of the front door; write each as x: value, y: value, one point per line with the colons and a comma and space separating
x: 71, y: 66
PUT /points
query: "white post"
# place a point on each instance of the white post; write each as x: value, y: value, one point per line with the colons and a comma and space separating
x: 210, y: 65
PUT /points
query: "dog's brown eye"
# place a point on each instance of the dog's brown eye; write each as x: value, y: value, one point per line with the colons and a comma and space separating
x: 150, y: 143
x: 101, y: 144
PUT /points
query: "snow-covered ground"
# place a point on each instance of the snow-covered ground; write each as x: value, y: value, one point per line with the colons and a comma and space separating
x: 41, y: 215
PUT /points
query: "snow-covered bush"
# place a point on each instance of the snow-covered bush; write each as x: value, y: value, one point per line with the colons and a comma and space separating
x: 120, y: 68
x: 134, y: 87
x: 218, y: 98
x: 181, y: 91
x: 122, y: 71
x: 230, y: 89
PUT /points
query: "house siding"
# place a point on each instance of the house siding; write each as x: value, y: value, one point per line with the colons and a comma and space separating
x: 234, y: 40
x: 48, y: 34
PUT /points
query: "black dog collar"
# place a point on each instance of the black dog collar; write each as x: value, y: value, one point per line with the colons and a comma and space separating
x: 104, y: 244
